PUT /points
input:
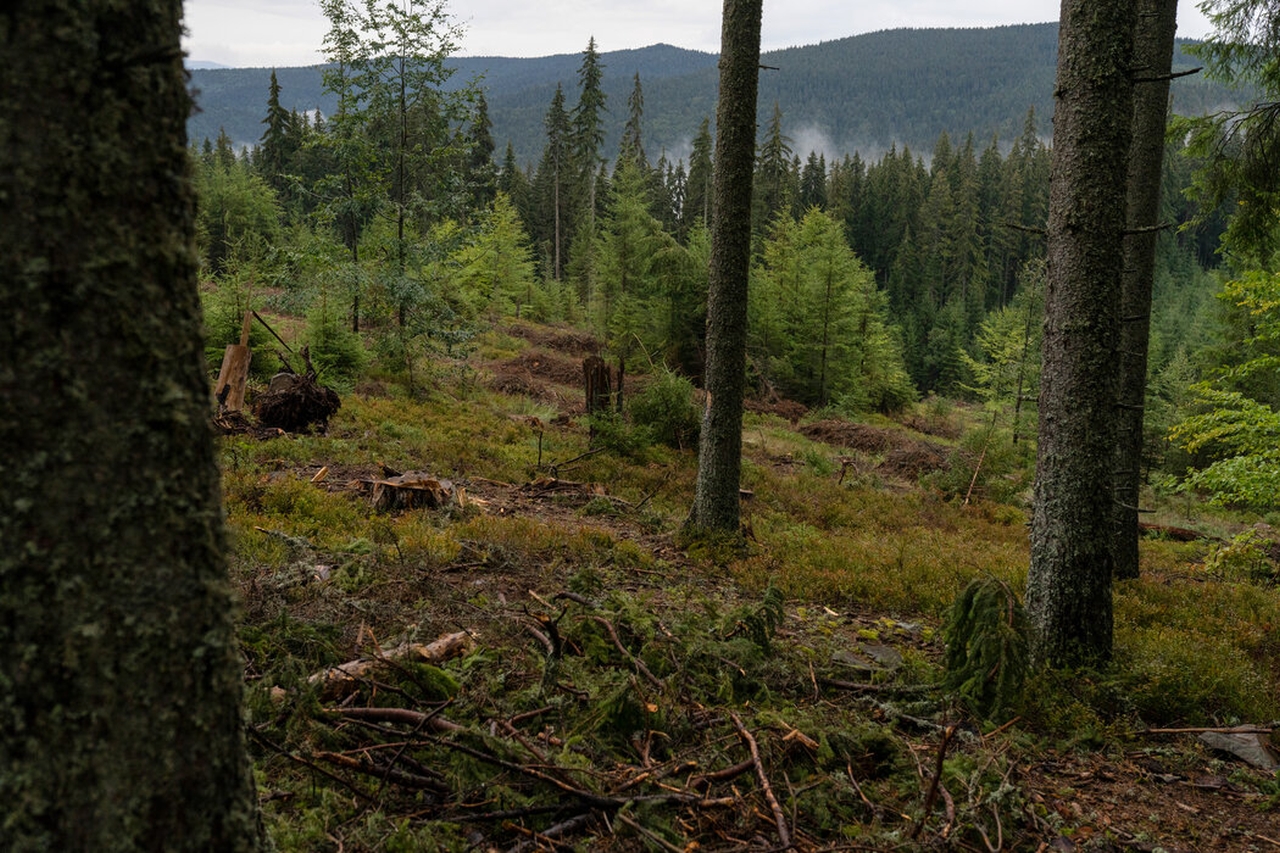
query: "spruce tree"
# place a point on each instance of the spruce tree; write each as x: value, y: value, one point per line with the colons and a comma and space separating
x: 481, y: 174
x: 697, y: 197
x: 1069, y: 580
x: 716, y: 498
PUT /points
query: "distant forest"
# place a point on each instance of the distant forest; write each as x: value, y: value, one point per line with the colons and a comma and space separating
x: 861, y: 94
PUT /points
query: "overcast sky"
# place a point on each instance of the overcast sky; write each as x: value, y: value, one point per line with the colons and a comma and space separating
x: 257, y: 33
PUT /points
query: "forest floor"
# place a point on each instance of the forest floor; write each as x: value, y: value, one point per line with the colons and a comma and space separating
x: 607, y: 686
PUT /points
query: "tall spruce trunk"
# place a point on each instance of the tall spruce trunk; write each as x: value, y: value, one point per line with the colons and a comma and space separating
x: 120, y: 677
x: 1069, y: 581
x: 716, y: 501
x: 1153, y: 61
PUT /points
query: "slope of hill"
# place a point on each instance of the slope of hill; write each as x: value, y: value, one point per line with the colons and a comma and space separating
x: 861, y: 93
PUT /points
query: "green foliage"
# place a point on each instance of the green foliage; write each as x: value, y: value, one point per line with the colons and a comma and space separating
x: 818, y: 328
x: 1244, y: 558
x: 237, y: 214
x: 666, y: 408
x: 760, y: 622
x: 987, y: 648
x: 338, y: 353
x: 1234, y: 424
x: 611, y: 431
x: 224, y: 304
x: 495, y: 269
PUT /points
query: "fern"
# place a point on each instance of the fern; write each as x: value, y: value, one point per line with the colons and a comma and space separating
x: 987, y: 658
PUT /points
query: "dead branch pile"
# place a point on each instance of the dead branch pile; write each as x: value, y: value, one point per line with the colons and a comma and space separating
x: 546, y: 785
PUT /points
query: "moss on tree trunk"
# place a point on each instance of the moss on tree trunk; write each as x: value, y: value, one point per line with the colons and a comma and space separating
x: 120, y: 680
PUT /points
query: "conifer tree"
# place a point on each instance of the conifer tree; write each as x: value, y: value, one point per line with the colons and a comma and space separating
x: 1069, y: 580
x: 716, y: 499
x: 481, y: 174
x: 280, y: 140
x: 587, y: 141
x: 632, y: 145
x: 773, y: 185
x: 697, y: 197
x: 552, y: 186
x: 1153, y: 57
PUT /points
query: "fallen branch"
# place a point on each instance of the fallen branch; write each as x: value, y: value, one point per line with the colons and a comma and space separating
x: 705, y: 779
x: 932, y: 796
x: 404, y: 716
x: 387, y: 774
x: 337, y: 679
x: 779, y: 818
x: 1195, y: 730
x: 636, y: 662
x: 650, y: 834
x: 864, y: 687
x: 550, y: 834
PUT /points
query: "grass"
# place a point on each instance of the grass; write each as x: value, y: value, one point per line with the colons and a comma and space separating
x: 862, y: 560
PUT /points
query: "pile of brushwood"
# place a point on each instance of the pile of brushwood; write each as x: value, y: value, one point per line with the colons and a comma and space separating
x: 603, y: 721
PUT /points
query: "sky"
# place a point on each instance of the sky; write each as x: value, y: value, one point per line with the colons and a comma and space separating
x: 283, y: 33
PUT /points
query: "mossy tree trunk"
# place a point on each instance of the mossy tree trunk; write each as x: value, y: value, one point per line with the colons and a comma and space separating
x: 120, y: 678
x: 1069, y: 582
x: 1153, y: 61
x: 716, y: 501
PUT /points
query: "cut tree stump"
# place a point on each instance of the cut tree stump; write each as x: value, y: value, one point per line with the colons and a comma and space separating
x: 234, y: 375
x: 412, y: 490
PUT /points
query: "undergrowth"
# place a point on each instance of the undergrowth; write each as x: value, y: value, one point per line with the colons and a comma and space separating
x: 611, y: 669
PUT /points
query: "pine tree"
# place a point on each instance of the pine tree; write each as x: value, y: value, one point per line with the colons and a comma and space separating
x: 587, y: 140
x: 632, y: 145
x: 552, y: 187
x: 481, y: 174
x: 280, y: 141
x: 773, y: 185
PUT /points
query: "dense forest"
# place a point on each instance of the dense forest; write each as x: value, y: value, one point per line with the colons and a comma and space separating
x: 859, y: 94
x: 878, y: 281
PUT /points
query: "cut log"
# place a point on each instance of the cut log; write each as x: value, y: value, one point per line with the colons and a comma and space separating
x: 344, y: 678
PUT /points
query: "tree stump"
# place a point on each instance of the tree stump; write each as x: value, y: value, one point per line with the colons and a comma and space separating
x: 599, y: 388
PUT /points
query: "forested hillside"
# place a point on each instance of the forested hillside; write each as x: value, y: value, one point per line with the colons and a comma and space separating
x: 863, y: 93
x: 468, y: 339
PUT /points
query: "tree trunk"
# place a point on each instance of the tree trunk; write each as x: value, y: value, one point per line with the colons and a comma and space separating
x: 120, y: 681
x: 1153, y: 61
x: 715, y: 503
x: 1069, y: 581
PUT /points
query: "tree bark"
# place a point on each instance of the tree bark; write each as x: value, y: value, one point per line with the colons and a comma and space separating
x: 1069, y: 581
x: 120, y: 682
x: 715, y: 503
x: 1153, y: 61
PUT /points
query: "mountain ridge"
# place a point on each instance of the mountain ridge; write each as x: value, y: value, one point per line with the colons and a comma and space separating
x: 899, y: 87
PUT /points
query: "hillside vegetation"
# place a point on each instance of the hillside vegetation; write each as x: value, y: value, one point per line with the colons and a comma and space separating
x: 612, y: 687
x: 862, y: 93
